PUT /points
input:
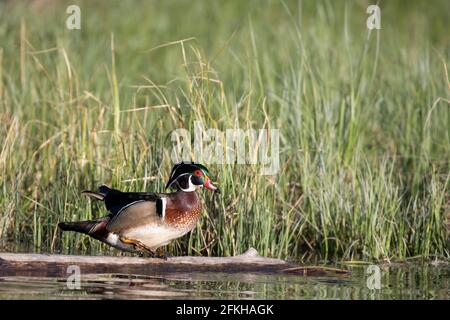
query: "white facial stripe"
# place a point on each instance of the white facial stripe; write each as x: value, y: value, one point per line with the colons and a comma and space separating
x: 191, y: 187
x: 176, y: 180
x: 173, y: 173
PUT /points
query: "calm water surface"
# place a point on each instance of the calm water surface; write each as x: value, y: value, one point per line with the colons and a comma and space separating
x: 397, y: 282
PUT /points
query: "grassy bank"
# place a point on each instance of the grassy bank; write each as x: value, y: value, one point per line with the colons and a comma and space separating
x: 363, y: 118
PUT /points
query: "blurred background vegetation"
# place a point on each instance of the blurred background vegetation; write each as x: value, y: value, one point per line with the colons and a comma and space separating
x: 364, y: 121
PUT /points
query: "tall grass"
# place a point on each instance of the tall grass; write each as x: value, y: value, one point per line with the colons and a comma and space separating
x: 364, y: 121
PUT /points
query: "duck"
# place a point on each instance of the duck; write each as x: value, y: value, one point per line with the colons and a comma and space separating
x: 145, y: 221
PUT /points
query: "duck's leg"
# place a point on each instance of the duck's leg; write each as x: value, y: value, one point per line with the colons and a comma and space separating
x: 138, y: 244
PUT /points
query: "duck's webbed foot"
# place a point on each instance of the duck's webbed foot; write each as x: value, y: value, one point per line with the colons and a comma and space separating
x: 144, y: 254
x: 162, y: 254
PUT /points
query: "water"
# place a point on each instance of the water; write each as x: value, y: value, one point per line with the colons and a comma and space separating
x: 397, y: 282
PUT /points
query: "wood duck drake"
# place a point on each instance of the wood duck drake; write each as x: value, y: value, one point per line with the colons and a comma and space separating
x: 143, y: 221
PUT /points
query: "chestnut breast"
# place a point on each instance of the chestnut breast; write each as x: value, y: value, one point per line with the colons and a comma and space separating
x: 183, y: 209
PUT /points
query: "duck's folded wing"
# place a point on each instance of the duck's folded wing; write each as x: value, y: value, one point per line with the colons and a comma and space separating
x: 116, y: 201
x: 137, y: 214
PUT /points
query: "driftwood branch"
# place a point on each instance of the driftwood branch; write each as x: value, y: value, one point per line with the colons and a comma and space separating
x: 56, y: 265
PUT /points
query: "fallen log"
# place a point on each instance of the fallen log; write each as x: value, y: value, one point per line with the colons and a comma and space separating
x: 56, y: 265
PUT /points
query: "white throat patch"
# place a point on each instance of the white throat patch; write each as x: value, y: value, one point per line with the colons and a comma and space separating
x: 191, y: 187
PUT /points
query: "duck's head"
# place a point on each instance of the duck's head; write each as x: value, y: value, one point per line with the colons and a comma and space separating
x: 190, y: 176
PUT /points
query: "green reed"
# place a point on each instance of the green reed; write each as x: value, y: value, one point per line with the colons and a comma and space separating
x: 364, y: 121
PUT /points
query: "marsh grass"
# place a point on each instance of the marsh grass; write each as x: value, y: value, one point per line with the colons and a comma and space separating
x: 364, y: 122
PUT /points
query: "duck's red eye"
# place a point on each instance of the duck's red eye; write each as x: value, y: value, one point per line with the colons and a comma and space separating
x: 198, y: 173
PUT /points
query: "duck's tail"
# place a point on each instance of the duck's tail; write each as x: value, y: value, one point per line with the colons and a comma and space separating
x: 93, y: 228
x: 99, y: 195
x: 78, y: 226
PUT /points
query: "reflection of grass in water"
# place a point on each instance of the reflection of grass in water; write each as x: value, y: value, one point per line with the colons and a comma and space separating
x: 406, y: 282
x: 364, y: 138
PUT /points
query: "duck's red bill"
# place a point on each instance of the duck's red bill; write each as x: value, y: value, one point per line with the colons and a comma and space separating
x: 211, y: 187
